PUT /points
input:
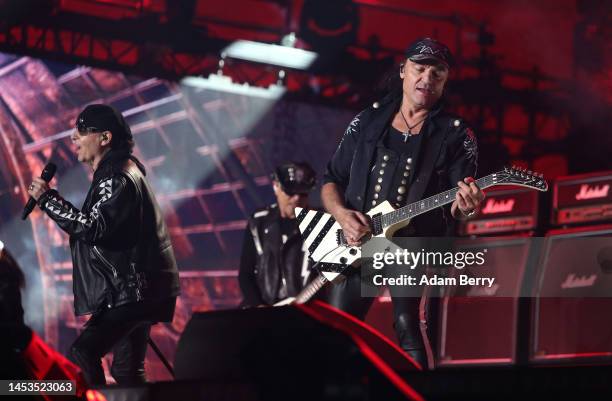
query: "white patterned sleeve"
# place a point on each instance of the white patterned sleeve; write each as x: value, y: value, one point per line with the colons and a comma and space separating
x: 114, y: 200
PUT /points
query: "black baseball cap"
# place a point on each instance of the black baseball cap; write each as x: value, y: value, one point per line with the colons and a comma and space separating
x: 101, y: 117
x: 295, y: 177
x: 430, y: 49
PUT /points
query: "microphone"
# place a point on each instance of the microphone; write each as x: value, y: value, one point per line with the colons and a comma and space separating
x: 47, y: 173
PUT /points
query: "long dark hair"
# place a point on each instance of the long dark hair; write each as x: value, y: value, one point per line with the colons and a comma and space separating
x: 390, y: 86
x: 122, y: 138
x: 123, y: 144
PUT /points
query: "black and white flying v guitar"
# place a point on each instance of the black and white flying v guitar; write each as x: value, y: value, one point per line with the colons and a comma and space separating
x: 327, y: 247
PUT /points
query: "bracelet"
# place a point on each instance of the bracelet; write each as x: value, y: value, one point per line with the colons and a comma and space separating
x: 468, y: 214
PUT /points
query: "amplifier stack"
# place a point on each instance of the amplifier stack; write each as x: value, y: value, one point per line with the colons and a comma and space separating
x: 582, y: 199
x: 505, y: 210
x: 554, y: 292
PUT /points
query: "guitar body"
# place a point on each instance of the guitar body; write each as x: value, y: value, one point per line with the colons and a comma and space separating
x: 324, y: 239
x: 385, y: 208
x: 325, y: 242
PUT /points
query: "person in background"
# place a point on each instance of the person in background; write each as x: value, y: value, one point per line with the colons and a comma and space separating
x: 273, y: 263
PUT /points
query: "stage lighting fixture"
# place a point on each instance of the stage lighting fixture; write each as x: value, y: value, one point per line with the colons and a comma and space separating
x: 225, y: 84
x: 266, y: 53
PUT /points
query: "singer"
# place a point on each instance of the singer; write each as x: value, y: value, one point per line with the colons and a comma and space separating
x: 124, y: 271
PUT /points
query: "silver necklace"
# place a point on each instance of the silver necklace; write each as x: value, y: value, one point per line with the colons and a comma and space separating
x: 409, y: 133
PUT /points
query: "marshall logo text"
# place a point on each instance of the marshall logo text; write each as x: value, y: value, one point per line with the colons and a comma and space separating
x: 501, y: 206
x: 595, y: 192
x: 573, y: 281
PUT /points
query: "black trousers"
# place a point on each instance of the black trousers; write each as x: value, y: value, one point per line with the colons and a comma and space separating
x: 410, y: 315
x: 124, y: 331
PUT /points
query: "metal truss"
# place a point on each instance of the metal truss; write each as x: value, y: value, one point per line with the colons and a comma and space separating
x: 56, y: 41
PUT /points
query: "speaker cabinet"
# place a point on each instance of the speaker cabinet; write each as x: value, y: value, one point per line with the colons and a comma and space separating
x: 572, y: 302
x: 479, y: 325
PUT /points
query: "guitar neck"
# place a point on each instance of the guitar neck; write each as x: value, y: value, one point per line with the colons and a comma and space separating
x: 433, y: 202
x: 311, y: 289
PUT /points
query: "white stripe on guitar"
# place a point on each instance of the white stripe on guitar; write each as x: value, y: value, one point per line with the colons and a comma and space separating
x: 307, y: 220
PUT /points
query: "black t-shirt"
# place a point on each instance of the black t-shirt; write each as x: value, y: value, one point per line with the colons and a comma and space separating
x: 401, y: 143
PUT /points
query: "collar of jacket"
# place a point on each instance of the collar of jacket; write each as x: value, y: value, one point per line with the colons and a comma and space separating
x: 274, y: 211
x: 382, y: 116
x: 113, y: 162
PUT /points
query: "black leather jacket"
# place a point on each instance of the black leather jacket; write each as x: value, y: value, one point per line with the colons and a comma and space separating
x: 271, y: 269
x: 121, y: 250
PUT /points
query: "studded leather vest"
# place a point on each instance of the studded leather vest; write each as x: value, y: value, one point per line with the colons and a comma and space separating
x: 447, y: 154
x: 390, y: 175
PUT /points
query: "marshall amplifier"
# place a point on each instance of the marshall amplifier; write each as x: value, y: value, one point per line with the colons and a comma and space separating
x: 582, y: 198
x: 572, y: 298
x: 504, y: 210
x: 479, y: 324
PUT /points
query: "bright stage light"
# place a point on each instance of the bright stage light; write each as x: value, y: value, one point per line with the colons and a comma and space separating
x: 265, y: 53
x: 225, y: 84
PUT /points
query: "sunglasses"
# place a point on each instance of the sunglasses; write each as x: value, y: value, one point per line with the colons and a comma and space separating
x: 81, y: 126
x: 300, y: 194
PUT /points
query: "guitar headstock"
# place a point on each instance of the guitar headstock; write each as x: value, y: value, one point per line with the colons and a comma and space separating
x: 523, y: 177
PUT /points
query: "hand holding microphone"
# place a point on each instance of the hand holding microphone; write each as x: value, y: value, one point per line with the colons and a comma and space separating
x: 38, y: 187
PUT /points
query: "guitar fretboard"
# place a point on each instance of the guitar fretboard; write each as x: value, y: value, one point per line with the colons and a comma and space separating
x: 310, y: 290
x: 427, y: 204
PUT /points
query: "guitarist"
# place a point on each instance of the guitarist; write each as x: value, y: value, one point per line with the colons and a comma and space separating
x: 273, y: 265
x: 403, y: 149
